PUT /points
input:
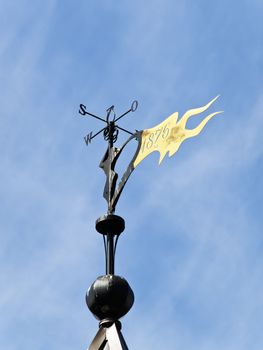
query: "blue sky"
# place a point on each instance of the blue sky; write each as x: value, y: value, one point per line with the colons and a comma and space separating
x: 192, y: 248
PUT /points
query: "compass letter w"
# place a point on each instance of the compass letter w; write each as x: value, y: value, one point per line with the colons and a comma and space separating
x: 88, y: 138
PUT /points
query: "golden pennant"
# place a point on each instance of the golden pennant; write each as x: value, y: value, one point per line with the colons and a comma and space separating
x: 170, y: 134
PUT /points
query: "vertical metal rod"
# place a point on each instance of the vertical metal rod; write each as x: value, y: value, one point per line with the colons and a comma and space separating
x: 110, y: 255
x: 110, y: 145
x: 110, y: 236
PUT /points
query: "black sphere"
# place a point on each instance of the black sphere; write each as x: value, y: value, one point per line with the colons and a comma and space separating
x: 110, y: 297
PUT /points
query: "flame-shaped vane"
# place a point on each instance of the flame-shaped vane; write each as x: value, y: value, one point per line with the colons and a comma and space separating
x: 166, y: 137
x: 170, y: 134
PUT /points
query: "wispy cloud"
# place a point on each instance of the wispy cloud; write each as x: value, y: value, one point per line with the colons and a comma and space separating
x: 191, y: 249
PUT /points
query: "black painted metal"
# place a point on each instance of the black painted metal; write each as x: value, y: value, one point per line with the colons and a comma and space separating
x: 110, y: 296
x: 109, y: 337
x: 110, y: 223
x: 110, y: 226
x: 110, y: 266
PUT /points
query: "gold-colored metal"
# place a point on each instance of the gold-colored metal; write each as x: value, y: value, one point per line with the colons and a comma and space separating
x: 169, y: 135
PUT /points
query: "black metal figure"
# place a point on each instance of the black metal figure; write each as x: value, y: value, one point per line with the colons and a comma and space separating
x: 110, y: 297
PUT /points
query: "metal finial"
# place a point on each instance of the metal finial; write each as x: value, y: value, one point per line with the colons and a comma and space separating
x: 110, y: 297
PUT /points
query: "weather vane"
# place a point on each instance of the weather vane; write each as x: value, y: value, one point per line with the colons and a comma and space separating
x: 110, y: 297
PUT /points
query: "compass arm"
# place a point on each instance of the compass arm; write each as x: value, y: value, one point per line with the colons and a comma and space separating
x: 123, y: 115
x: 97, y: 133
x: 82, y: 111
x: 128, y: 132
x: 132, y: 109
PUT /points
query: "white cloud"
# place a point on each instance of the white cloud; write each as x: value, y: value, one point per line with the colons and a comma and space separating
x: 190, y: 249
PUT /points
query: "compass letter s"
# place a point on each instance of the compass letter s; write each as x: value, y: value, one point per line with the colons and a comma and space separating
x: 82, y: 109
